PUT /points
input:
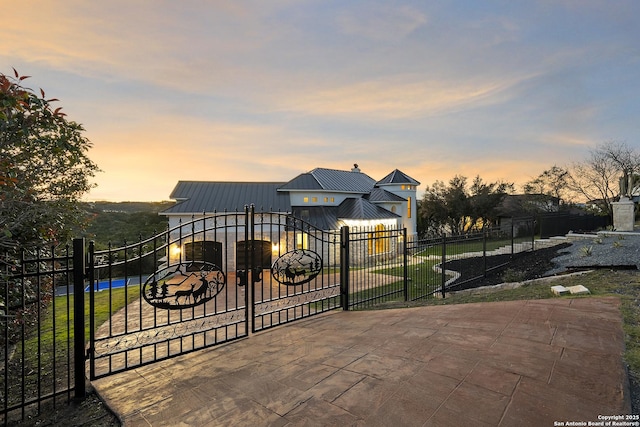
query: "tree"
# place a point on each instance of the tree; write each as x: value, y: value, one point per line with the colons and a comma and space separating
x: 598, y: 179
x: 626, y: 159
x: 457, y: 209
x: 44, y: 168
x: 485, y: 200
x: 552, y: 183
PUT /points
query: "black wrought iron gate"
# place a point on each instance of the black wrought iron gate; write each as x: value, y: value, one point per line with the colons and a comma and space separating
x: 204, y: 282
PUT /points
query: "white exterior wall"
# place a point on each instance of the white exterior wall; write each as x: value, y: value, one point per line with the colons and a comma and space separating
x: 403, y: 209
x: 297, y: 198
x: 230, y: 229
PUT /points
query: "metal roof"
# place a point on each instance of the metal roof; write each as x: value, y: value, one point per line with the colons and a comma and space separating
x: 328, y: 217
x: 381, y: 195
x: 397, y: 177
x: 322, y: 217
x: 207, y: 196
x: 331, y: 180
x: 359, y: 208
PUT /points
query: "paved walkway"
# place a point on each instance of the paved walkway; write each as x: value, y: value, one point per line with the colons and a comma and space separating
x: 519, y: 363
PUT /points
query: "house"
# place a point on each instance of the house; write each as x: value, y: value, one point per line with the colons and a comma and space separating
x: 324, y: 198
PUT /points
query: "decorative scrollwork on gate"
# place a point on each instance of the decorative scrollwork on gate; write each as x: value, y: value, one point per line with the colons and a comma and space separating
x: 184, y: 285
x: 296, y: 267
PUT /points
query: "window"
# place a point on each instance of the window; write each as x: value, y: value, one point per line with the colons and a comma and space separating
x: 314, y: 199
x: 306, y: 200
x: 409, y: 207
x: 302, y: 241
x: 393, y: 209
x: 378, y: 242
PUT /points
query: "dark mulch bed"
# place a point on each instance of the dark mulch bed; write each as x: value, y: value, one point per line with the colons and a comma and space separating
x: 523, y: 266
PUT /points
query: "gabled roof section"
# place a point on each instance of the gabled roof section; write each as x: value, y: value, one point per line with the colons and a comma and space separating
x: 397, y: 177
x: 195, y: 197
x: 321, y: 179
x: 322, y: 217
x: 379, y: 195
x: 359, y: 208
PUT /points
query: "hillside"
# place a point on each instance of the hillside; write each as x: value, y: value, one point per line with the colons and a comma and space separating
x: 117, y: 222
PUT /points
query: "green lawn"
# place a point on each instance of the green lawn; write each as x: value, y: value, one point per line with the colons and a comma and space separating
x: 56, y: 330
x: 471, y: 245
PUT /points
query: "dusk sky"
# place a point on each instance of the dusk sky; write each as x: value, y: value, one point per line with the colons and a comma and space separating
x: 266, y: 90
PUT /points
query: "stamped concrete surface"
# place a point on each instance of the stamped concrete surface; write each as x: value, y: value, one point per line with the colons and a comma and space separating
x: 517, y: 363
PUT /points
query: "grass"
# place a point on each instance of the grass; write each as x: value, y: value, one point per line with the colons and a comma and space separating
x: 56, y: 328
x: 462, y: 246
x: 63, y: 315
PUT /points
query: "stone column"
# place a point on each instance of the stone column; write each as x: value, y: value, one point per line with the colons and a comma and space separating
x: 623, y: 214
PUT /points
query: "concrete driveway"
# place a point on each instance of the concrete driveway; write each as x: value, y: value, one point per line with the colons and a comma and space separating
x: 518, y: 363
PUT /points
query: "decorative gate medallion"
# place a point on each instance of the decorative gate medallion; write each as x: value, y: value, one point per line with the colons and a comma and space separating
x: 184, y: 285
x: 296, y: 267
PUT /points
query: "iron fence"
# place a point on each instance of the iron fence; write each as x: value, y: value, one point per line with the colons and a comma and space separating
x: 417, y: 269
x: 560, y: 223
x: 42, y: 348
x: 209, y: 281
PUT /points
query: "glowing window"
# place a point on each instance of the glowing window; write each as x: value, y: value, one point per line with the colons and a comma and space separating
x: 306, y: 200
x: 314, y: 199
x: 409, y: 207
x: 302, y: 241
x: 378, y: 242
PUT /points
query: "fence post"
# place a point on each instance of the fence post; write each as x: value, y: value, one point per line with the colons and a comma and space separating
x: 92, y: 322
x: 532, y: 222
x: 78, y: 318
x: 512, y: 238
x: 443, y: 264
x: 406, y: 267
x: 484, y: 251
x: 344, y: 266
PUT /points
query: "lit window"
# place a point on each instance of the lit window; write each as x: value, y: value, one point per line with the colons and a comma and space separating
x: 306, y: 200
x: 378, y: 241
x: 409, y: 208
x: 333, y: 200
x: 326, y: 199
x: 302, y: 241
x: 314, y: 199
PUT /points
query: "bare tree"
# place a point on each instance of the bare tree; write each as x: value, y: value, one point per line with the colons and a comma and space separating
x: 626, y: 159
x: 598, y: 178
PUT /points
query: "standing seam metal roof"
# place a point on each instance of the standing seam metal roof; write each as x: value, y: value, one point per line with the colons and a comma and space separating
x: 381, y: 195
x: 397, y: 177
x: 206, y: 196
x: 331, y: 180
x: 359, y: 208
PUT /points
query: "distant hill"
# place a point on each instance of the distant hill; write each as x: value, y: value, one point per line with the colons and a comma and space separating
x: 128, y: 207
x: 117, y: 222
